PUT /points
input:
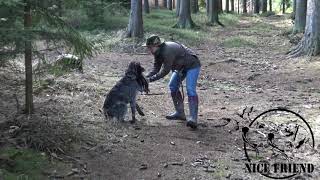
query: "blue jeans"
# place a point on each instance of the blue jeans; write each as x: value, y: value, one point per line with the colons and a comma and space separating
x: 191, y: 75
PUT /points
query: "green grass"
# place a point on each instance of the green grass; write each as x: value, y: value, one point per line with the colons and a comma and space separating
x: 161, y: 22
x: 58, y: 70
x: 267, y: 14
x: 158, y: 22
x: 239, y: 41
x: 229, y: 19
x: 262, y: 27
x: 28, y: 164
x: 160, y: 14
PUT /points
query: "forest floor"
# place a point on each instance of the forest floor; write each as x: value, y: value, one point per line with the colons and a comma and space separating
x: 257, y: 74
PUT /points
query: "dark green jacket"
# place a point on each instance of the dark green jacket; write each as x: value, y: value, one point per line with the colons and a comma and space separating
x: 172, y: 56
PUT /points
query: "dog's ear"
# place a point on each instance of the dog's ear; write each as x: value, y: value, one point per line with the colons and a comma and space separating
x: 131, y: 66
x: 142, y: 69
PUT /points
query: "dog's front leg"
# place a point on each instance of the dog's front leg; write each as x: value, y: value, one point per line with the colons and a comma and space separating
x: 133, y: 110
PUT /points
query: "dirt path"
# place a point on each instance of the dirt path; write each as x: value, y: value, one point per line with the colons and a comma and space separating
x: 231, y: 79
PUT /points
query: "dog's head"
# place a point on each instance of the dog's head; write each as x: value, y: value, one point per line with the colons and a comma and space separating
x: 135, y: 71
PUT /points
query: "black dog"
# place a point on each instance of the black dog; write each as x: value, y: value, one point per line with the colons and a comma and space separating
x: 125, y: 92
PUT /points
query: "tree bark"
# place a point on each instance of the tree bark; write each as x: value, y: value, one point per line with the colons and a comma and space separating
x: 169, y: 4
x: 156, y: 4
x: 146, y: 7
x: 300, y: 16
x: 185, y: 21
x: 294, y: 7
x: 232, y: 5
x: 135, y: 26
x: 256, y: 6
x: 197, y: 6
x: 220, y: 9
x: 227, y: 6
x: 194, y: 6
x: 28, y: 59
x: 310, y: 43
x: 164, y: 3
x: 270, y: 5
x: 213, y: 6
x: 244, y: 6
x: 207, y: 7
x: 178, y: 7
x: 283, y: 7
x: 264, y: 6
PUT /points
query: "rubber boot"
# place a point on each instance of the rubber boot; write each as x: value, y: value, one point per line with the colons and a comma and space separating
x: 179, y: 107
x: 193, y: 107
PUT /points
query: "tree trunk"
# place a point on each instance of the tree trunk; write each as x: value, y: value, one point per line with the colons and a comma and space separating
x: 220, y: 9
x: 232, y: 5
x: 173, y: 4
x: 178, y: 5
x: 146, y: 7
x: 185, y: 20
x: 194, y: 6
x: 283, y: 6
x: 213, y: 6
x: 310, y: 43
x: 135, y: 26
x: 244, y: 6
x: 169, y: 4
x: 256, y: 6
x: 264, y: 6
x: 227, y: 6
x: 294, y: 7
x: 270, y: 5
x: 164, y: 3
x: 156, y: 4
x: 28, y: 59
x: 207, y: 7
x: 238, y: 6
x: 300, y: 16
x: 197, y: 6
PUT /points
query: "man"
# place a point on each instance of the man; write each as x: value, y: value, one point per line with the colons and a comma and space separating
x: 184, y: 64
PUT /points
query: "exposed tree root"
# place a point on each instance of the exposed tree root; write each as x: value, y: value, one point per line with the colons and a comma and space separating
x: 297, y: 50
x: 188, y: 24
x: 214, y: 23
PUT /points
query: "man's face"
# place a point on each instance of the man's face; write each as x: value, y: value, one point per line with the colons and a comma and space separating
x: 153, y: 49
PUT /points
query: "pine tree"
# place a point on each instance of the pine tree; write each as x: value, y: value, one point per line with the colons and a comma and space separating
x: 24, y: 22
